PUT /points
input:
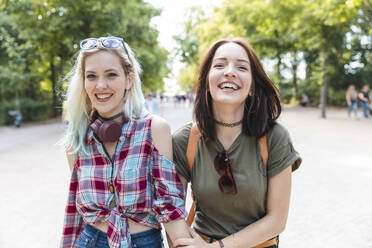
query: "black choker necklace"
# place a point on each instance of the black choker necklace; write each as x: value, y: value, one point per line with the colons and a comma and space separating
x: 112, y: 117
x: 234, y: 124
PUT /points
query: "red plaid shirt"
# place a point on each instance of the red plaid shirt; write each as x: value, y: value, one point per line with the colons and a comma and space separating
x: 147, y: 188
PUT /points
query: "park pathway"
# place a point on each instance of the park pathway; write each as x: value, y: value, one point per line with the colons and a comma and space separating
x: 331, y: 203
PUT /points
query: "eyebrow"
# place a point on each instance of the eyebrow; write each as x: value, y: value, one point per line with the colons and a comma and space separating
x: 104, y: 71
x: 239, y: 60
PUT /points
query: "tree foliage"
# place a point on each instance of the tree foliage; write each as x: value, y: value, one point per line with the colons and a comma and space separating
x: 39, y: 40
x: 331, y: 38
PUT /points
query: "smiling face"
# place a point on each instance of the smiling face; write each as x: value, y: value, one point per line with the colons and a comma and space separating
x: 105, y: 82
x: 230, y: 76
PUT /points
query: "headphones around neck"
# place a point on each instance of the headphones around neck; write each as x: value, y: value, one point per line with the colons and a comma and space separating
x: 107, y: 129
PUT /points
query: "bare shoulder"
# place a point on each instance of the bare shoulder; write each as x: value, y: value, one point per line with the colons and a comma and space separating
x: 70, y: 158
x: 161, y: 136
x: 159, y: 126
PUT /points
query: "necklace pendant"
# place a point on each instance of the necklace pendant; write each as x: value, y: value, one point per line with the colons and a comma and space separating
x: 111, y: 188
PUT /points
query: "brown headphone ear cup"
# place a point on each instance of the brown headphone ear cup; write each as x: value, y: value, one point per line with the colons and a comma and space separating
x: 109, y: 131
x: 95, y: 125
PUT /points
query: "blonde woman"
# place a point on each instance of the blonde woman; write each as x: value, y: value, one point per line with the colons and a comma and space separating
x: 123, y: 183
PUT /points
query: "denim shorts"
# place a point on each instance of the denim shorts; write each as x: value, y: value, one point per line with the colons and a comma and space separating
x: 91, y: 237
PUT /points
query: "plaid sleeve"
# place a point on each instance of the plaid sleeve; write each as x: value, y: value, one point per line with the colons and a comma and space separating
x: 168, y: 191
x: 73, y: 223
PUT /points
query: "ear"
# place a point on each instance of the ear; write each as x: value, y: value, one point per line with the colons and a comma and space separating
x: 251, y: 90
x: 130, y: 81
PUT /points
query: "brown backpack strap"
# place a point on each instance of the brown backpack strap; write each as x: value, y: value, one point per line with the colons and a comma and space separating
x: 192, y: 145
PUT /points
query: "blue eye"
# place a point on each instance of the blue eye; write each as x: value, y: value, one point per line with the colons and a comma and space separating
x: 242, y: 68
x: 112, y: 74
x: 91, y: 76
x: 218, y: 66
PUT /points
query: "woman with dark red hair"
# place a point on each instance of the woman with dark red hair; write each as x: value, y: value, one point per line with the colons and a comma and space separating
x: 243, y: 160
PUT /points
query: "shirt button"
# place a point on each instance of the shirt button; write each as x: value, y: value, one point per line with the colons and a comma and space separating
x: 86, y: 240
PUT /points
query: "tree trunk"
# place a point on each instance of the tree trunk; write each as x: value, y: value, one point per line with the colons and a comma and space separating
x: 54, y: 84
x: 294, y: 80
x: 294, y: 64
x: 310, y: 59
x: 324, y: 88
x: 278, y: 65
x: 278, y: 57
x: 308, y: 71
x: 30, y: 90
x: 61, y: 67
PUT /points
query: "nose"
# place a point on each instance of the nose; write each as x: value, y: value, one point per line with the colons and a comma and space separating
x: 229, y: 71
x: 101, y: 84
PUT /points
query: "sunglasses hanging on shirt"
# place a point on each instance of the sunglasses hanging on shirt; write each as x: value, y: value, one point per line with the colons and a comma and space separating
x: 226, y: 182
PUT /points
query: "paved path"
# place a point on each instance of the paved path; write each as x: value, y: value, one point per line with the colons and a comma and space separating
x: 331, y: 200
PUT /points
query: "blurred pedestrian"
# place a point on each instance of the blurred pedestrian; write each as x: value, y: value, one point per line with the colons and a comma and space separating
x: 352, y: 100
x: 243, y: 163
x: 17, y: 115
x: 123, y: 183
x: 304, y: 100
x: 18, y: 119
x: 364, y: 98
x: 152, y: 104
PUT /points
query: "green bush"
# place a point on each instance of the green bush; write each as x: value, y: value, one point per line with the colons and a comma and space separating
x: 5, y: 118
x: 32, y: 110
x: 336, y: 98
x: 286, y: 92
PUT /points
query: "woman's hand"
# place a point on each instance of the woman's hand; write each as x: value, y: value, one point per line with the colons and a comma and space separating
x: 195, y: 242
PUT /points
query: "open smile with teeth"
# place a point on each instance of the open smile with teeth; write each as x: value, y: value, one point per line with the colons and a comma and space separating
x: 228, y: 85
x: 103, y: 96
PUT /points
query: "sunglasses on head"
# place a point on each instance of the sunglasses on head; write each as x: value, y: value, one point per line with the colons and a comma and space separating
x: 107, y: 42
x: 222, y: 165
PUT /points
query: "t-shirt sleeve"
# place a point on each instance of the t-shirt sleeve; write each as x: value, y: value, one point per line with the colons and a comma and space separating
x: 281, y: 151
x: 179, y: 140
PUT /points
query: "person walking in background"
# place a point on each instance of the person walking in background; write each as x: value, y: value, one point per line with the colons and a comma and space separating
x: 352, y: 101
x: 304, y: 100
x: 364, y: 100
x: 243, y: 163
x: 123, y: 183
x: 152, y: 104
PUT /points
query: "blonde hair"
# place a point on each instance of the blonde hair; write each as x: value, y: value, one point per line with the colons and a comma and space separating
x: 78, y: 106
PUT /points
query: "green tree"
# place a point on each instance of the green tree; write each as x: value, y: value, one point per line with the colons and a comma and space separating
x: 188, y: 46
x: 47, y: 35
x: 332, y: 37
x: 325, y: 23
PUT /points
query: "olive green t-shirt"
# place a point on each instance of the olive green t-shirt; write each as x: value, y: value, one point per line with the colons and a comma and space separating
x: 217, y: 214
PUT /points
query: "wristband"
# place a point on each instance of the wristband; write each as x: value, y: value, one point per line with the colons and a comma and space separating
x: 221, y: 243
